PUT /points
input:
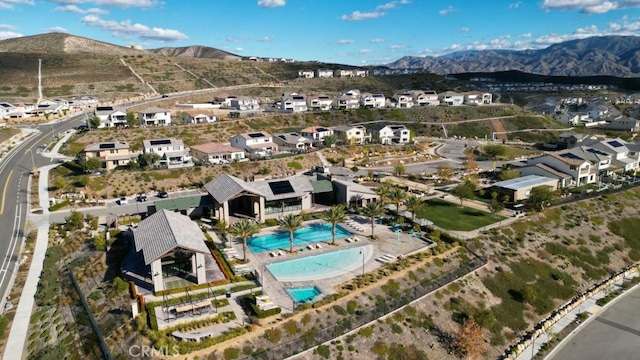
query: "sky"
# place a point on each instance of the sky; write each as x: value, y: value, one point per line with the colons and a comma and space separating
x: 353, y: 32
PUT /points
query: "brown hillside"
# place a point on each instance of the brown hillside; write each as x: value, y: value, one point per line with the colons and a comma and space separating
x: 59, y: 43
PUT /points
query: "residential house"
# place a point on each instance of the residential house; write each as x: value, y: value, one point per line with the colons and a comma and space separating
x: 110, y: 154
x: 171, y: 151
x: 540, y: 169
x: 244, y: 103
x: 154, y: 117
x: 216, y: 153
x: 196, y: 117
x: 255, y: 143
x: 293, y: 102
x: 348, y: 100
x: 402, y: 100
x: 391, y: 134
x: 623, y: 123
x: 571, y: 139
x: 477, y: 98
x: 344, y: 73
x: 111, y: 116
x: 519, y: 189
x: 566, y: 162
x: 623, y: 159
x: 360, y: 73
x: 307, y: 74
x: 316, y: 133
x: 567, y: 118
x: 320, y: 102
x: 324, y: 73
x: 424, y: 98
x: 599, y: 112
x: 368, y: 100
x: 79, y: 102
x: 451, y: 98
x: 292, y: 142
x: 352, y: 134
x: 353, y: 194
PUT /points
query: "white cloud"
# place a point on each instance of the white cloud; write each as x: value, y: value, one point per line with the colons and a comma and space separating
x: 238, y: 49
x: 9, y: 4
x: 365, y: 51
x: 515, y: 5
x: 379, y: 11
x: 57, y: 29
x: 464, y: 29
x: 377, y: 41
x: 233, y: 39
x: 126, y: 28
x: 525, y: 35
x: 346, y: 42
x: 75, y: 9
x: 590, y: 6
x: 397, y: 46
x: 266, y: 39
x: 9, y: 34
x: 127, y: 3
x: 6, y: 27
x: 450, y: 9
x: 271, y: 3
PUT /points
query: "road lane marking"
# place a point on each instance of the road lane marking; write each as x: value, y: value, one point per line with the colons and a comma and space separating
x: 4, y: 192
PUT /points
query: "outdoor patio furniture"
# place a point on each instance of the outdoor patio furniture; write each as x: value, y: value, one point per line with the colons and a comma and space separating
x: 348, y: 239
x: 273, y: 254
x: 382, y: 260
x: 280, y: 253
x: 310, y: 246
x: 318, y: 246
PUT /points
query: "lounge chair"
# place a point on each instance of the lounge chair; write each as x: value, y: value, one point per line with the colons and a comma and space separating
x: 280, y: 253
x: 318, y: 246
x: 310, y: 246
x: 356, y: 238
x: 348, y: 239
x: 273, y: 254
x: 382, y: 260
x: 390, y: 257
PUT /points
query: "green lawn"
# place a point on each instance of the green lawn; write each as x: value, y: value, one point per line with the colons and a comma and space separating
x: 451, y: 216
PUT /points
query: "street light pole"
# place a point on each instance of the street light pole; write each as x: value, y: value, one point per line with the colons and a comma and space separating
x: 362, y: 252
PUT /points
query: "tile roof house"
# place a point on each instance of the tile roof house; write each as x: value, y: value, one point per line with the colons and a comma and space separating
x: 216, y: 153
x: 316, y: 133
x: 172, y: 152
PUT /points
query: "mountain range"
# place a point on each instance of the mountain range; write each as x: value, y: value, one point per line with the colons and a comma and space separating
x: 606, y: 55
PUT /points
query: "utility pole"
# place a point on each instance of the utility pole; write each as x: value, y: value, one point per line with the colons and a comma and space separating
x: 39, y: 81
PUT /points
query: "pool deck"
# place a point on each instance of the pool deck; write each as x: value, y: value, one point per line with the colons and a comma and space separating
x: 387, y: 242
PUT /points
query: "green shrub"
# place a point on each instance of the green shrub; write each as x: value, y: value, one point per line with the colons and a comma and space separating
x: 324, y: 351
x: 351, y: 307
x: 379, y: 348
x: 274, y: 335
x: 231, y: 353
x: 366, y: 332
x: 294, y: 165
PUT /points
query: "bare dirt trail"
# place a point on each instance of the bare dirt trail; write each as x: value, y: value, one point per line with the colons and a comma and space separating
x: 499, y: 129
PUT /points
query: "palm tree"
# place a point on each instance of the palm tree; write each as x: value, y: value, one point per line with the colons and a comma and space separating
x: 244, y: 229
x: 414, y: 204
x: 373, y: 209
x: 397, y: 196
x: 383, y: 191
x: 221, y: 226
x: 334, y: 215
x: 290, y: 222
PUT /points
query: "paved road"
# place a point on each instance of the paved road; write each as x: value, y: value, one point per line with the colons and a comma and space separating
x: 613, y: 334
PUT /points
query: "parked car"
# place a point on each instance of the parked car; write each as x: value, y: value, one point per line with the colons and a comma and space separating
x: 142, y: 197
x: 163, y: 194
x: 123, y: 201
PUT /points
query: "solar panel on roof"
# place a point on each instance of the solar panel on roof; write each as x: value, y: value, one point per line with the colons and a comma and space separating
x: 256, y: 135
x: 570, y: 156
x: 615, y: 144
x: 107, y: 146
x: 597, y: 152
x: 281, y: 187
x: 160, y: 142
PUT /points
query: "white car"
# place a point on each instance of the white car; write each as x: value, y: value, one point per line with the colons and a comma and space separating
x: 123, y: 201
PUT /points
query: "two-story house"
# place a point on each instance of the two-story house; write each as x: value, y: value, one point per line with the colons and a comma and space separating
x: 324, y: 73
x: 255, y: 143
x: 306, y: 74
x: 352, y: 134
x: 477, y: 98
x: 110, y: 154
x: 111, y: 116
x: 243, y: 103
x: 360, y: 73
x: 293, y: 102
x: 320, y: 102
x: 623, y: 160
x: 348, y: 100
x: 316, y: 133
x: 343, y: 73
x: 154, y: 117
x: 171, y: 151
x: 402, y: 100
x: 216, y: 153
x: 292, y: 142
x: 391, y: 134
x: 451, y: 98
x: 369, y: 100
x: 569, y: 163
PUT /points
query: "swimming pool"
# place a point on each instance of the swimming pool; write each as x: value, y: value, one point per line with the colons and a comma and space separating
x: 305, y: 235
x: 304, y: 294
x: 322, y: 266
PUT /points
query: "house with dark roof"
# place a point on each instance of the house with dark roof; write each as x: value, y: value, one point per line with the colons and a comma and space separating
x: 258, y: 143
x: 111, y: 116
x: 580, y: 169
x: 316, y: 133
x: 321, y: 102
x: 292, y: 142
x: 154, y: 116
x: 540, y: 169
x: 171, y: 151
x: 172, y: 249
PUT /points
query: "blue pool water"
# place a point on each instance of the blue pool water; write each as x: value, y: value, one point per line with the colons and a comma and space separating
x: 303, y: 236
x: 304, y: 294
x: 322, y: 266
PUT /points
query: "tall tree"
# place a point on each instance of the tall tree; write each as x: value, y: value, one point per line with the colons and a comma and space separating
x: 221, y: 227
x: 470, y: 339
x: 399, y: 169
x: 470, y: 163
x: 373, y: 209
x: 465, y: 190
x: 495, y: 206
x: 397, y: 196
x: 290, y: 223
x: 414, y: 204
x: 330, y: 140
x: 94, y: 122
x: 334, y: 215
x: 540, y: 197
x: 383, y: 192
x: 244, y: 229
x: 494, y: 151
x: 131, y: 119
x: 508, y: 174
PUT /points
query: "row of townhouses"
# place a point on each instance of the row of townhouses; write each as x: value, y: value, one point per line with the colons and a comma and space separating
x: 173, y: 154
x: 47, y: 106
x: 328, y: 73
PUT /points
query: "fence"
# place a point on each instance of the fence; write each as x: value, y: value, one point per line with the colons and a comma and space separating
x: 315, y: 337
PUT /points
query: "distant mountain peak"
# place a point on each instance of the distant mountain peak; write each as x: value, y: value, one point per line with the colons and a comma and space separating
x: 606, y: 55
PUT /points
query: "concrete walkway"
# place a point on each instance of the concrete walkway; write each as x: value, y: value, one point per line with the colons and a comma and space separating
x: 589, y: 306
